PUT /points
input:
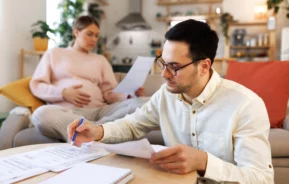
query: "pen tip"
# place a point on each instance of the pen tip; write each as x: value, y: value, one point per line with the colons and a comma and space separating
x: 71, y: 143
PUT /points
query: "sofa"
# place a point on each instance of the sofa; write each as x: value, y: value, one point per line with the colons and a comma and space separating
x: 15, y: 132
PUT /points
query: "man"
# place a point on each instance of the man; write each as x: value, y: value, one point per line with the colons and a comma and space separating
x: 211, y: 125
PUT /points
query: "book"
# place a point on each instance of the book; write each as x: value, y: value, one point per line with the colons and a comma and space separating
x: 92, y: 173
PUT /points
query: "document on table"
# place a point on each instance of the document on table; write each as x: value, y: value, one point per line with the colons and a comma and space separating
x: 55, y: 157
x: 136, y: 76
x: 141, y: 148
x: 11, y: 168
x: 58, y: 158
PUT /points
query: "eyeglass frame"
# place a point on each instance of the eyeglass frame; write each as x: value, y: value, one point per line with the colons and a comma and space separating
x: 174, y: 68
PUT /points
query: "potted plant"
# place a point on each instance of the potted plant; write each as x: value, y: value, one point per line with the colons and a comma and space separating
x: 276, y: 4
x: 225, y: 19
x: 39, y: 34
x: 70, y: 10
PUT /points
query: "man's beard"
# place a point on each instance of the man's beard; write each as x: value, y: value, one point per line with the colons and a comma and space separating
x: 184, y: 88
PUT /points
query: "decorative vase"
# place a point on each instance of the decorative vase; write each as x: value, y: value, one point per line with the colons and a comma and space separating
x: 40, y: 44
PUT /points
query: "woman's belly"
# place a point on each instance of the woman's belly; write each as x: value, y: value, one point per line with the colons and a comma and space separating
x: 89, y: 87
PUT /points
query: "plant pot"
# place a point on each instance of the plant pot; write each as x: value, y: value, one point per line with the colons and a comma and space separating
x: 40, y: 44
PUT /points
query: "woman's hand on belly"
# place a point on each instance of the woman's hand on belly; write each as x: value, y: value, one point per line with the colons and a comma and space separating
x: 75, y: 96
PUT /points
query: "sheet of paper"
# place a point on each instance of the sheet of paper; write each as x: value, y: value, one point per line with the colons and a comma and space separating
x: 28, y: 174
x: 11, y: 168
x: 141, y: 148
x: 136, y: 76
x: 158, y: 148
x: 90, y: 173
x: 53, y: 157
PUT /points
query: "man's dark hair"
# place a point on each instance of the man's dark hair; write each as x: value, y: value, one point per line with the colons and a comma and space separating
x: 202, y: 40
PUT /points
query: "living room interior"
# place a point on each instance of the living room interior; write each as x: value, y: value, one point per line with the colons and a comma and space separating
x: 249, y: 32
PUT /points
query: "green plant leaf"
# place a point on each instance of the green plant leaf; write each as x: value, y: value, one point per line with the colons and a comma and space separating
x: 40, y: 29
x: 276, y: 9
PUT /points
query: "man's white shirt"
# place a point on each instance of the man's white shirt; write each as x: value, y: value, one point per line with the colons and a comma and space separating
x: 227, y: 120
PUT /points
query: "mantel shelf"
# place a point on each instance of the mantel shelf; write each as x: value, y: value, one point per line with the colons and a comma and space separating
x: 169, y: 3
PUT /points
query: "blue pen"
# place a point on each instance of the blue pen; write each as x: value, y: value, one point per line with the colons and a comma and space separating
x: 76, y: 133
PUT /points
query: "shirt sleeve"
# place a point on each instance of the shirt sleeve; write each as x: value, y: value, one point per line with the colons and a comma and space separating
x: 40, y: 83
x: 109, y: 83
x: 133, y: 126
x: 252, y: 152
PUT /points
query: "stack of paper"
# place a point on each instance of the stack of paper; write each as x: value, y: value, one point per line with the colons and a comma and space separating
x: 24, y: 165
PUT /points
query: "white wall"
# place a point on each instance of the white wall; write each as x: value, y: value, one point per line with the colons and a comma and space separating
x: 16, y: 18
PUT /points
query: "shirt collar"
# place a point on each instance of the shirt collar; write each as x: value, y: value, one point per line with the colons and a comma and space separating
x: 210, y: 88
x: 208, y: 91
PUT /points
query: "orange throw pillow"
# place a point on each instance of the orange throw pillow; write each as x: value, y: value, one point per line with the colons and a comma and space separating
x: 19, y: 93
x: 270, y: 80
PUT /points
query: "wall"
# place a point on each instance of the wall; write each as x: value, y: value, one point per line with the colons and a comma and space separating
x: 16, y: 18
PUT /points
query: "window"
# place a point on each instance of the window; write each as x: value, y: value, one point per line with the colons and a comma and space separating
x: 53, y: 15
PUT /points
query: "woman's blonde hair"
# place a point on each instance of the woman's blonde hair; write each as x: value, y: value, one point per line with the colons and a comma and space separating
x: 82, y: 22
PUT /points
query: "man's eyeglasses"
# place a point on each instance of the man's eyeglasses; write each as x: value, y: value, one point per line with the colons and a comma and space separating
x: 173, y: 70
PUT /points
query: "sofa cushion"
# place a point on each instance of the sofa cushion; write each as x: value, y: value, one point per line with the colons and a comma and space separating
x: 19, y: 93
x: 279, y: 142
x: 270, y: 80
x: 280, y: 162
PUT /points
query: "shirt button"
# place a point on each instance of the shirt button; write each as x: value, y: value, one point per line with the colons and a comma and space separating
x: 193, y: 134
x: 270, y: 166
x: 194, y: 112
x: 204, y: 101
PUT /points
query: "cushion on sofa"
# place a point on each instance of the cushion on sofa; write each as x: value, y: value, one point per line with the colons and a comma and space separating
x: 280, y: 162
x: 19, y: 93
x: 279, y: 142
x: 270, y: 80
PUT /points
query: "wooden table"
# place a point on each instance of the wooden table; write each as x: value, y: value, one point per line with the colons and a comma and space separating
x: 143, y: 171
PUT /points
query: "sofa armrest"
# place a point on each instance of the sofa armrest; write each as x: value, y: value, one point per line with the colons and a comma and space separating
x: 286, y: 123
x: 10, y: 127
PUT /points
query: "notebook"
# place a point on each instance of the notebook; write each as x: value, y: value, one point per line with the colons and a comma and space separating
x: 92, y: 173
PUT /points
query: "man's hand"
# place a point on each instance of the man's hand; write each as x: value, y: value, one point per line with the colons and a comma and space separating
x: 75, y: 96
x: 87, y: 132
x: 140, y: 92
x: 181, y: 159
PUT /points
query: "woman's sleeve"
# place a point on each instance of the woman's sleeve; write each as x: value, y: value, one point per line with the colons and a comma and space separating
x: 40, y: 83
x: 108, y: 84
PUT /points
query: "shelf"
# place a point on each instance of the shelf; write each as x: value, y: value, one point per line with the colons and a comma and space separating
x: 248, y: 23
x: 246, y: 47
x: 181, y: 18
x: 21, y: 61
x: 181, y: 2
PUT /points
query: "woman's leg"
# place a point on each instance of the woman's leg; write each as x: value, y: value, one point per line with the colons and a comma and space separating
x: 118, y: 110
x: 52, y: 120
